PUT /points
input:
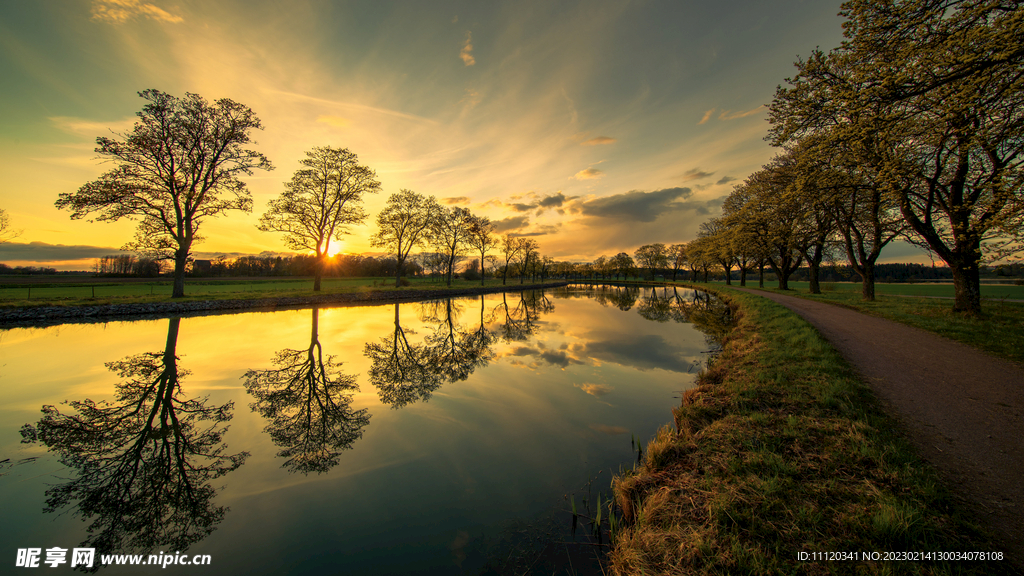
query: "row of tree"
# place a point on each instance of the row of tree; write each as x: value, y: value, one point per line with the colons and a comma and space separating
x: 912, y: 129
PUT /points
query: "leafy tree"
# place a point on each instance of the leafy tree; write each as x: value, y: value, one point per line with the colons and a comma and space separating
x: 653, y: 257
x: 404, y: 224
x: 528, y: 248
x: 178, y: 166
x: 510, y: 247
x: 676, y: 254
x: 449, y: 232
x: 320, y: 203
x: 936, y: 86
x: 623, y: 264
x: 482, y: 239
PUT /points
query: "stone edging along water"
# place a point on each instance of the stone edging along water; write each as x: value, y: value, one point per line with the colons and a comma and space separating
x: 52, y: 315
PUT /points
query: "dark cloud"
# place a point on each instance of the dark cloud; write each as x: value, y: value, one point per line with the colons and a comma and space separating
x: 553, y: 201
x: 519, y: 207
x: 641, y: 352
x: 694, y: 174
x: 726, y: 180
x: 43, y: 252
x: 510, y: 223
x: 637, y: 205
x: 455, y: 200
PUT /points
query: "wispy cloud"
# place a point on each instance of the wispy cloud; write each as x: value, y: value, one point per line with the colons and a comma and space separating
x: 707, y: 116
x: 588, y: 174
x: 91, y: 128
x: 730, y: 115
x: 726, y: 180
x: 120, y: 11
x: 454, y: 200
x: 594, y: 389
x: 598, y: 140
x: 694, y: 174
x: 471, y: 99
x: 467, y: 50
x: 354, y: 106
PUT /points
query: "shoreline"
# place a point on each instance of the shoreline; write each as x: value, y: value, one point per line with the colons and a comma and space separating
x: 55, y: 315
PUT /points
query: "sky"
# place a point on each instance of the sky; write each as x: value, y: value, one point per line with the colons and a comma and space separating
x: 594, y: 127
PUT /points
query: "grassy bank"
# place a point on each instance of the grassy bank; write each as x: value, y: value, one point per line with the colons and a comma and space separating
x: 83, y: 294
x: 779, y: 451
x: 997, y: 331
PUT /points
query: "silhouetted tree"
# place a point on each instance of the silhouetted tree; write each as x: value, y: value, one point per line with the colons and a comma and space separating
x: 178, y: 166
x: 319, y: 204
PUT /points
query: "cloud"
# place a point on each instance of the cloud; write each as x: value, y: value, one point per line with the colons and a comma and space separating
x: 694, y: 174
x: 552, y: 201
x: 90, y: 127
x: 641, y: 352
x: 455, y: 200
x: 726, y: 180
x: 597, y: 140
x: 706, y: 117
x: 588, y: 174
x: 336, y: 121
x: 594, y: 389
x: 729, y: 115
x: 538, y: 231
x: 511, y: 223
x: 471, y: 99
x: 636, y: 204
x: 120, y: 11
x: 467, y: 51
x: 44, y: 252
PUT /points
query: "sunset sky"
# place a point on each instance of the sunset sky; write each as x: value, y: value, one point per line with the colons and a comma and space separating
x: 594, y: 126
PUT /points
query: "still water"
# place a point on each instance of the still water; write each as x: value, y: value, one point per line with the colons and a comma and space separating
x: 419, y: 438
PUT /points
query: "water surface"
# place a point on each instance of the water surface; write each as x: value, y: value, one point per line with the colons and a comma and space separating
x: 429, y: 438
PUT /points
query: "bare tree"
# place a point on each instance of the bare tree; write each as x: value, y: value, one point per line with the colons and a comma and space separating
x: 179, y: 165
x: 319, y: 204
x: 6, y: 232
x: 449, y: 232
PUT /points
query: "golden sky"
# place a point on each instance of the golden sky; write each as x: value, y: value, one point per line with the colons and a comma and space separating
x: 595, y: 127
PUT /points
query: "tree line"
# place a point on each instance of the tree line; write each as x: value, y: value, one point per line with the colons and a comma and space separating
x: 912, y: 129
x: 181, y: 163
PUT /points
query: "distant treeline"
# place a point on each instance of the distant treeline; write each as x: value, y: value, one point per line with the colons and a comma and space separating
x: 5, y: 269
x: 346, y: 265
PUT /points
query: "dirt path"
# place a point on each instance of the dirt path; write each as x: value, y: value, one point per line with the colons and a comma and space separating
x: 962, y: 408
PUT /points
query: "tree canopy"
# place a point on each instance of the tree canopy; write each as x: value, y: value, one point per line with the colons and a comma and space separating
x: 179, y: 165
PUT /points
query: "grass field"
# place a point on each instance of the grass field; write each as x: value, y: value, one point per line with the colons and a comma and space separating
x: 782, y: 450
x: 993, y: 291
x: 76, y: 294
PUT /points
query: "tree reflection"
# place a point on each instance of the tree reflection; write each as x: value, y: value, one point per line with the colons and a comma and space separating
x: 145, y: 461
x: 405, y: 373
x: 654, y: 307
x: 622, y: 297
x: 521, y: 319
x: 308, y: 401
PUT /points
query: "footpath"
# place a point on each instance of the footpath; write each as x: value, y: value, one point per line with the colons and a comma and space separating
x: 963, y: 409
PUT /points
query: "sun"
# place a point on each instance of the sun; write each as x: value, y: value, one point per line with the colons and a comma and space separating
x: 334, y: 249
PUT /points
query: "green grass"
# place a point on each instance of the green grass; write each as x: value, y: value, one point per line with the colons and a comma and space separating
x: 74, y: 294
x: 997, y: 330
x: 780, y: 449
x: 994, y: 291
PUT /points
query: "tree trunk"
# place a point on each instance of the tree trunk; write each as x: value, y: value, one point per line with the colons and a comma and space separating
x: 966, y: 286
x: 398, y: 273
x: 180, y: 257
x: 743, y: 276
x: 318, y: 272
x: 867, y: 281
x: 760, y: 275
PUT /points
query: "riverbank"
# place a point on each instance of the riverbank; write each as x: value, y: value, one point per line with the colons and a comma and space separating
x: 52, y: 315
x: 782, y: 461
